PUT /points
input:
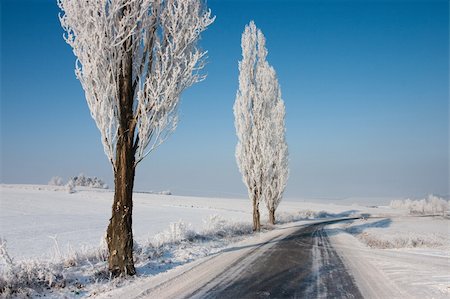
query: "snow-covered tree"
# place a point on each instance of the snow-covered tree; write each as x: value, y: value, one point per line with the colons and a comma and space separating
x: 276, y: 158
x: 85, y: 181
x: 134, y: 59
x: 261, y: 151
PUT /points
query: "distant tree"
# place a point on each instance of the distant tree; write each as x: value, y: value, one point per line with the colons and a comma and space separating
x: 85, y: 181
x: 56, y: 181
x: 261, y: 151
x: 431, y: 205
x: 134, y: 59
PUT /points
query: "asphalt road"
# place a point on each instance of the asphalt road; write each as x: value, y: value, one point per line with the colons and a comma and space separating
x: 302, y: 265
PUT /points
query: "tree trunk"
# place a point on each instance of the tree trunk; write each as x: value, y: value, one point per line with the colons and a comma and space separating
x: 119, y: 233
x: 272, y: 216
x: 256, y: 222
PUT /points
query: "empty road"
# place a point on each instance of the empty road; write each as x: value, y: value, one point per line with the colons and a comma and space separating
x: 301, y: 265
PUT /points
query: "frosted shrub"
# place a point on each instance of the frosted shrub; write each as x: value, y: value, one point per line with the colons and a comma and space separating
x: 177, y: 232
x: 217, y: 226
x: 30, y: 278
x: 430, y: 205
x: 21, y: 277
x: 6, y: 269
x: 56, y: 181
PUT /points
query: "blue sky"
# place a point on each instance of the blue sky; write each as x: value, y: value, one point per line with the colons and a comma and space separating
x: 365, y: 85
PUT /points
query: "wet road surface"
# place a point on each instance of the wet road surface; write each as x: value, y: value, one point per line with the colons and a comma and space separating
x: 302, y: 265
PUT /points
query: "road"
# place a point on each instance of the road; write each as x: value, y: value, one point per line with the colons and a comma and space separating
x: 301, y: 265
x: 290, y: 262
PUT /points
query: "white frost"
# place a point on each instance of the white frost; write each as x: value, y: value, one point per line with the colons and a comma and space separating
x: 162, y: 37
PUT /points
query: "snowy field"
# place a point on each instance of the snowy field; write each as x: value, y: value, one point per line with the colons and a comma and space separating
x: 52, y: 240
x: 31, y: 217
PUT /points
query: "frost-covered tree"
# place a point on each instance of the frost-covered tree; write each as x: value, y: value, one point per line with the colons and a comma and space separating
x: 85, y: 181
x: 134, y: 59
x: 261, y: 151
x: 276, y: 153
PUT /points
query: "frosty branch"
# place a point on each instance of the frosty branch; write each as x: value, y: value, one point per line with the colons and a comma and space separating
x: 160, y: 38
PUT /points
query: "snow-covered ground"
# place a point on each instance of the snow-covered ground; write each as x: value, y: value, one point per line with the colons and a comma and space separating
x: 397, y: 257
x: 55, y: 238
x: 32, y: 216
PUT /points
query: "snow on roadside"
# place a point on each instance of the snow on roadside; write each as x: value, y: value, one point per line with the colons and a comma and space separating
x: 403, y: 232
x: 399, y: 257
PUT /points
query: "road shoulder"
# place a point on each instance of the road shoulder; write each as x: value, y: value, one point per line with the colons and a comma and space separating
x: 371, y: 281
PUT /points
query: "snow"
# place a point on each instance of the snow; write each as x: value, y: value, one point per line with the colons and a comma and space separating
x: 30, y: 215
x: 403, y: 232
x: 397, y: 257
x: 56, y: 238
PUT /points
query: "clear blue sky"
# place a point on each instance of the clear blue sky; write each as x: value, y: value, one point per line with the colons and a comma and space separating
x: 365, y: 85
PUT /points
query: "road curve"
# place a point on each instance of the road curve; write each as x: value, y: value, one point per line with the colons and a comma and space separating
x: 302, y: 265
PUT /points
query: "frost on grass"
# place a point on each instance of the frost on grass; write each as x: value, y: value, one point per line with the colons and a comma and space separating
x: 379, y: 234
x: 31, y: 277
x: 180, y: 243
x: 85, y: 272
x: 410, y: 240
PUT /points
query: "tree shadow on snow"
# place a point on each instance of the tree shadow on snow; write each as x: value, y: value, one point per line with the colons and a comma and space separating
x: 357, y: 229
